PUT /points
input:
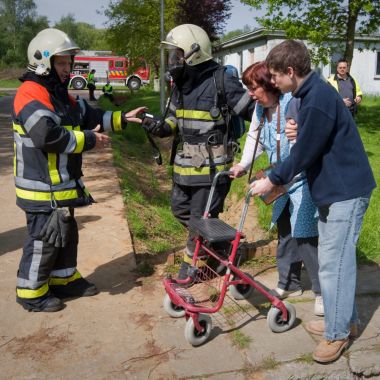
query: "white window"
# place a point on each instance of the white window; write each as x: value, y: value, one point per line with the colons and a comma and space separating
x: 378, y: 63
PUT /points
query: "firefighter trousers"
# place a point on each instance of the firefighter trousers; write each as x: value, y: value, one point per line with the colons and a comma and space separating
x: 190, y: 202
x: 42, y: 264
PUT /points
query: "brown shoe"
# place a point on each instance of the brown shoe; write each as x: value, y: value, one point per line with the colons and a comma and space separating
x: 318, y: 328
x: 329, y: 350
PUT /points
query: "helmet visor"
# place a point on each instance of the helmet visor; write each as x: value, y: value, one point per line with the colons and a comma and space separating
x: 175, y: 57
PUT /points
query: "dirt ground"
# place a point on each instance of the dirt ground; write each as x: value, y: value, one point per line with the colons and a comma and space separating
x: 121, y: 333
x: 124, y: 333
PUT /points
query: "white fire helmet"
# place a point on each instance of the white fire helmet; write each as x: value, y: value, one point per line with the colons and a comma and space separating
x: 193, y: 40
x: 46, y: 44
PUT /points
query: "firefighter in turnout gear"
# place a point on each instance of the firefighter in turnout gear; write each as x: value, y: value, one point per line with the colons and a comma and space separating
x: 196, y: 118
x: 51, y: 130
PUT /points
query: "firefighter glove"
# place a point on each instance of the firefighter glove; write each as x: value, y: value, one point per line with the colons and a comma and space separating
x: 65, y: 225
x: 56, y: 231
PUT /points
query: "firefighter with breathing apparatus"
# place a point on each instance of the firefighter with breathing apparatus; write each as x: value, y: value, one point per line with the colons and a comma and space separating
x: 199, y: 119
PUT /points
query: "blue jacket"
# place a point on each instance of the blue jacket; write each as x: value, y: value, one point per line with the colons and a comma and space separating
x: 328, y: 147
x: 303, y: 213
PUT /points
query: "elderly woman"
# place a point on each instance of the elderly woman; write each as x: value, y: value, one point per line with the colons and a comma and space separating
x: 294, y: 212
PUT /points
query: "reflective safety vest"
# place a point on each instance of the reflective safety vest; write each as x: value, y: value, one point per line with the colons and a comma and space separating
x: 333, y: 80
x: 205, y: 146
x: 49, y: 138
x: 91, y: 78
x: 107, y: 89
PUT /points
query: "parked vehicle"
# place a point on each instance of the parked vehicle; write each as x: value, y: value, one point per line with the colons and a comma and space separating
x: 107, y: 66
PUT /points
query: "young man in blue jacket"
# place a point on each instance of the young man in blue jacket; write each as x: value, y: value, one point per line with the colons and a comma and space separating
x: 340, y: 179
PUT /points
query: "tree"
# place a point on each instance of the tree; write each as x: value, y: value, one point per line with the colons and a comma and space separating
x: 210, y: 15
x: 85, y: 35
x: 134, y: 28
x: 19, y: 23
x: 335, y: 21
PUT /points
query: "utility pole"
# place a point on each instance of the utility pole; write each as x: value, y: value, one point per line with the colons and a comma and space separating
x: 162, y: 61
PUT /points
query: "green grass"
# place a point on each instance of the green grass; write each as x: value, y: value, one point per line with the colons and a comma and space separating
x: 146, y: 186
x: 269, y: 363
x: 368, y: 123
x: 240, y: 340
x: 239, y: 187
x: 305, y: 358
x: 9, y: 83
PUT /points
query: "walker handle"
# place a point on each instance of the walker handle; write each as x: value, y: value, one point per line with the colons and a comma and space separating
x: 212, y: 190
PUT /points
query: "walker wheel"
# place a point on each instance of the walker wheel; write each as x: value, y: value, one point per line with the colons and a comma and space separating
x: 172, y: 309
x: 192, y: 335
x: 275, y: 321
x: 241, y: 291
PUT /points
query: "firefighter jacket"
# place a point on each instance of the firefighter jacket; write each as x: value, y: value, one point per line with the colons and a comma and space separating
x: 50, y: 135
x: 205, y: 143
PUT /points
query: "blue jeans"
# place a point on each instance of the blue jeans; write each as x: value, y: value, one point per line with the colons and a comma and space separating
x: 339, y: 227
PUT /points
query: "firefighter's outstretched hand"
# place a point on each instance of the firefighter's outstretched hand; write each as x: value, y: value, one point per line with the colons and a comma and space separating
x: 132, y: 116
x: 102, y: 140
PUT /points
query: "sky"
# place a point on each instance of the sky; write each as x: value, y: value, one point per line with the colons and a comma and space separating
x: 87, y: 12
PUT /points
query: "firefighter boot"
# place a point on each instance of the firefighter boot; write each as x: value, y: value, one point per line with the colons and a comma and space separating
x: 77, y: 288
x: 186, y: 264
x: 48, y: 303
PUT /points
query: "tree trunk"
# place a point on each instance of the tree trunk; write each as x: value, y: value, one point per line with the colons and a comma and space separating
x: 353, y: 11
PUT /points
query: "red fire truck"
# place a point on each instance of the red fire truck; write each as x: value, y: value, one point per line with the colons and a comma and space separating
x: 107, y: 66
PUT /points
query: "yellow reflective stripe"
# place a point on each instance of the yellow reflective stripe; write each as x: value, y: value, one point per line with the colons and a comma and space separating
x: 333, y: 82
x: 199, y: 171
x: 64, y: 280
x: 357, y: 88
x: 79, y: 136
x: 33, y: 293
x: 70, y: 127
x: 189, y: 260
x: 17, y: 128
x: 53, y: 171
x: 116, y: 121
x: 198, y: 115
x: 41, y: 196
x: 171, y: 123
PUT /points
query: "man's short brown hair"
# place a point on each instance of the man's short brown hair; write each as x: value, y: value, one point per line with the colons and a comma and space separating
x: 290, y: 53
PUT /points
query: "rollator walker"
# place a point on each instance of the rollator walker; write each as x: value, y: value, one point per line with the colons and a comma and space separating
x: 205, y: 289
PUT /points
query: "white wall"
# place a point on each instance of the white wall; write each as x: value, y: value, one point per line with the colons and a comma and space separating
x: 363, y: 67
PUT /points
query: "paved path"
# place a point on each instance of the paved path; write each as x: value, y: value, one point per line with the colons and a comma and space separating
x: 124, y: 333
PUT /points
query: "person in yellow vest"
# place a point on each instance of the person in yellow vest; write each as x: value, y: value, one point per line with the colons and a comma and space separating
x: 51, y: 130
x: 347, y: 86
x: 91, y: 84
x: 107, y: 90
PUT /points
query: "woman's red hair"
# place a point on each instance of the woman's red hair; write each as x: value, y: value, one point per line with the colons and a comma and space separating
x: 259, y: 73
